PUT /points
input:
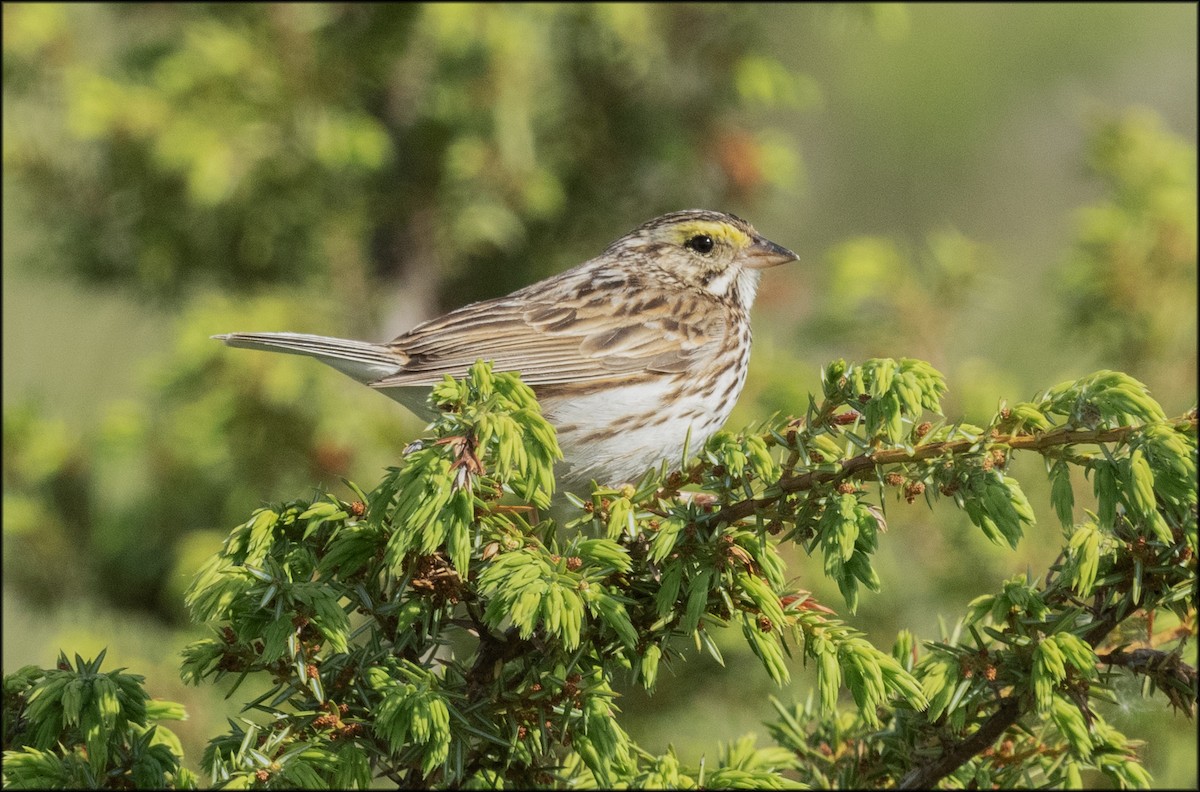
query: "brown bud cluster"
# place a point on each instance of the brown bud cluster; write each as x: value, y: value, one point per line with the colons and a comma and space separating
x: 324, y: 721
x: 348, y: 732
x: 914, y: 490
x: 435, y: 574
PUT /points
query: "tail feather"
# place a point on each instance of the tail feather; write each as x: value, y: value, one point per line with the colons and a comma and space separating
x: 364, y: 361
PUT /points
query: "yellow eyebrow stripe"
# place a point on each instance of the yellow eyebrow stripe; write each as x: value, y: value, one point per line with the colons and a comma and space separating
x: 718, y: 231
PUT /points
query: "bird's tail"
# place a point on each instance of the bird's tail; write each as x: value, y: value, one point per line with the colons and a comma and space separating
x: 364, y: 361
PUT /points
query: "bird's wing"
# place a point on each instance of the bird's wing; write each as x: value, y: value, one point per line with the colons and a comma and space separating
x: 563, y: 342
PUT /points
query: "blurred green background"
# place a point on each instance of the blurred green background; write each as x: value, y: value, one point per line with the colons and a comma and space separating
x: 1008, y: 191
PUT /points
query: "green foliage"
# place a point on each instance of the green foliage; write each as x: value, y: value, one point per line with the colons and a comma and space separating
x: 383, y: 643
x: 75, y: 727
x: 486, y: 415
x: 1031, y: 657
x: 411, y: 705
x: 436, y: 631
x: 493, y: 708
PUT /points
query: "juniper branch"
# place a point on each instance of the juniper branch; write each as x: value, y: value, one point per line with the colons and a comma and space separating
x: 925, y: 776
x: 861, y: 466
x: 1011, y: 709
x: 1175, y: 678
x: 1147, y: 661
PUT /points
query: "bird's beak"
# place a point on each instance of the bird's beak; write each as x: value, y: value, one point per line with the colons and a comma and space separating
x: 764, y: 253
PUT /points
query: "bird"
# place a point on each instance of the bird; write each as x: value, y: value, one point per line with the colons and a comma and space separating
x: 635, y: 355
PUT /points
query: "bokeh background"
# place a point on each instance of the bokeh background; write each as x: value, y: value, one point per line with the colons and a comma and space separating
x: 1006, y: 190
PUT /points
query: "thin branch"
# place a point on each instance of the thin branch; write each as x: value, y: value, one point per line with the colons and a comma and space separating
x: 1146, y: 661
x: 491, y: 651
x: 861, y: 466
x: 1175, y: 678
x: 1010, y: 710
x: 925, y: 776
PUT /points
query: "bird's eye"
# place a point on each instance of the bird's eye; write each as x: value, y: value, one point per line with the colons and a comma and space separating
x: 701, y: 243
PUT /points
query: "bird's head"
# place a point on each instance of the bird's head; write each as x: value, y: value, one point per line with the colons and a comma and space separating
x: 716, y: 252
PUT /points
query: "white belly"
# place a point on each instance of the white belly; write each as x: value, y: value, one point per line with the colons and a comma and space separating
x: 614, y: 436
x: 649, y: 424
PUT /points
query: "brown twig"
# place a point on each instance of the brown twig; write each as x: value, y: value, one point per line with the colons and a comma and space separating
x: 1175, y: 678
x: 859, y: 466
x: 1146, y: 661
x: 925, y: 776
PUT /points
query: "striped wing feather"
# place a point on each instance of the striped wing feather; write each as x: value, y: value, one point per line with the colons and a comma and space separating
x: 557, y: 343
